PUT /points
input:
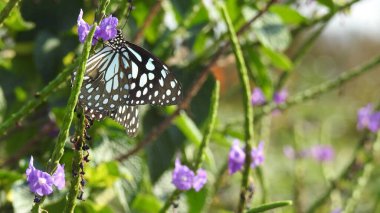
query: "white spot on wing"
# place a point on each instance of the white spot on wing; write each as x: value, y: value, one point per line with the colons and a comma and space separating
x: 149, y: 65
x: 135, y: 53
x: 135, y: 70
x: 143, y: 80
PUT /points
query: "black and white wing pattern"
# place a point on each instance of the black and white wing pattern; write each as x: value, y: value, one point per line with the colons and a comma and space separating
x: 128, y: 117
x: 121, y: 76
x: 105, y: 84
x: 150, y: 81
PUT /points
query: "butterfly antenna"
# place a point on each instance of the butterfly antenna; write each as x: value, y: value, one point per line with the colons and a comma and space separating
x: 130, y: 8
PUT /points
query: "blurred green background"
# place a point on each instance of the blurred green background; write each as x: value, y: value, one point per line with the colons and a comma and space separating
x: 39, y: 39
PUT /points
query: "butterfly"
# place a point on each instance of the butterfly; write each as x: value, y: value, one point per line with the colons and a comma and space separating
x: 121, y: 76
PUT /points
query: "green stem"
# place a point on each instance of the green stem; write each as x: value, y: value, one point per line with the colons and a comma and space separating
x: 248, y: 111
x: 63, y: 134
x: 334, y: 183
x: 363, y: 180
x: 210, y: 128
x: 77, y: 160
x: 203, y: 145
x: 270, y: 206
x: 323, y: 18
x: 7, y: 9
x: 322, y: 88
x: 170, y: 200
x: 101, y: 12
x: 38, y: 100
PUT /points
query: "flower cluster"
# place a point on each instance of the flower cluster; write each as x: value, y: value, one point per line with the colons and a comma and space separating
x: 320, y: 153
x: 106, y: 30
x: 236, y: 157
x: 258, y: 98
x: 184, y: 178
x: 368, y: 118
x: 41, y: 183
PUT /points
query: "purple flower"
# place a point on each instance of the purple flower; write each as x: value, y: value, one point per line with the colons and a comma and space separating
x: 289, y: 152
x: 374, y: 122
x: 257, y: 97
x: 257, y: 155
x: 59, y: 177
x: 322, y: 153
x: 200, y: 179
x: 83, y: 27
x: 39, y: 182
x: 182, y: 176
x: 364, y: 116
x: 107, y: 28
x: 280, y: 96
x: 236, y: 157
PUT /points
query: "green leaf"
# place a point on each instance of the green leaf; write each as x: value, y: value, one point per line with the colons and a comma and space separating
x: 146, y: 203
x: 287, y: 14
x: 259, y: 71
x: 15, y: 21
x: 187, y: 126
x: 196, y: 200
x: 103, y: 175
x: 328, y: 3
x: 8, y: 177
x: 22, y: 197
x: 269, y: 206
x: 272, y: 33
x: 90, y: 206
x: 278, y: 59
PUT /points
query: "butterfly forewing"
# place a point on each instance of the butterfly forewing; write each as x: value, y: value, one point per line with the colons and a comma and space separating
x: 150, y: 80
x: 105, y: 82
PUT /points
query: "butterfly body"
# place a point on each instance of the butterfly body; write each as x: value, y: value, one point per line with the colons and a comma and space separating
x: 119, y: 77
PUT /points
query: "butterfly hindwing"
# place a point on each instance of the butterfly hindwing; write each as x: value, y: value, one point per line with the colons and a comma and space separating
x: 127, y: 116
x: 150, y: 80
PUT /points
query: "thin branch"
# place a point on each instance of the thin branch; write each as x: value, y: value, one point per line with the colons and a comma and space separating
x: 152, y: 13
x: 7, y: 9
x: 322, y: 88
x: 39, y: 98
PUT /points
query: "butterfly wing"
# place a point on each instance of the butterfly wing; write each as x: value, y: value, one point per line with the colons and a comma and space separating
x: 127, y: 116
x: 150, y: 81
x: 105, y: 85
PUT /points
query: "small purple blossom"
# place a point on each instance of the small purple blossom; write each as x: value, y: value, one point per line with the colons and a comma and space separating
x: 257, y: 155
x: 39, y: 182
x: 182, y: 176
x: 374, y: 122
x: 364, y: 115
x: 83, y: 27
x: 236, y: 157
x: 322, y: 153
x: 280, y: 96
x: 289, y: 152
x: 184, y: 179
x: 257, y: 97
x: 59, y: 177
x: 107, y: 28
x: 199, y: 180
